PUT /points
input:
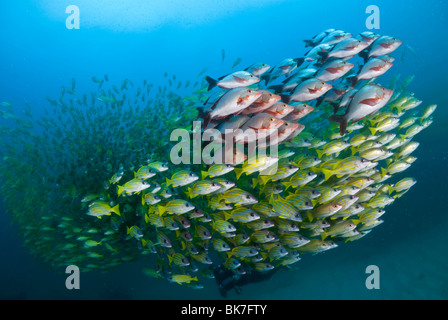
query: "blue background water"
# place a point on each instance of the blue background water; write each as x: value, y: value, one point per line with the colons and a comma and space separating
x: 143, y: 41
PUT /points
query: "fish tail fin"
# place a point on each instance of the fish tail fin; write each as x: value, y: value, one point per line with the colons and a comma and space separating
x: 286, y: 98
x: 327, y: 173
x: 254, y: 182
x: 227, y: 216
x: 207, y: 119
x: 116, y: 209
x: 264, y: 178
x: 320, y: 153
x: 399, y: 109
x: 342, y: 123
x: 168, y: 182
x: 128, y: 229
x: 277, y: 88
x: 373, y: 131
x: 354, y: 150
x: 324, y: 235
x: 162, y: 210
x: 120, y: 190
x: 229, y: 254
x: 310, y: 216
x: 356, y: 221
x: 365, y: 55
x: 144, y: 242
x: 390, y: 189
x: 287, y: 185
x: 389, y: 161
x: 170, y: 259
x: 335, y: 107
x: 204, y: 174
x: 323, y: 55
x: 265, y: 76
x: 211, y: 82
x: 383, y: 172
x: 308, y: 43
x: 195, y: 278
x: 403, y: 137
x: 299, y: 61
x: 238, y: 172
x: 143, y: 199
x: 189, y: 193
x: 135, y: 175
x: 146, y: 218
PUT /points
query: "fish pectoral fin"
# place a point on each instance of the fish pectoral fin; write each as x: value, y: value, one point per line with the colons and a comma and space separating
x: 370, y: 102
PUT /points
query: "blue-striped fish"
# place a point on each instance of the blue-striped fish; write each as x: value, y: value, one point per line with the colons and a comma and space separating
x: 177, y: 206
x: 101, y: 208
x: 133, y: 186
x: 242, y: 252
x: 237, y: 196
x: 293, y: 240
x: 255, y: 164
x: 216, y: 170
x: 242, y: 214
x: 202, y: 187
x: 181, y: 178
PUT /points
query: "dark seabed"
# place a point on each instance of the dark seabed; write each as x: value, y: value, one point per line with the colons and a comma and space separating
x: 181, y: 38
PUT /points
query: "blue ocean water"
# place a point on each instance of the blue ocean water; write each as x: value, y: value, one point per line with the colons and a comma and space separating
x: 143, y: 41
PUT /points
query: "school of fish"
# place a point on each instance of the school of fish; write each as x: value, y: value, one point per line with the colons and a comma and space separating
x: 90, y: 183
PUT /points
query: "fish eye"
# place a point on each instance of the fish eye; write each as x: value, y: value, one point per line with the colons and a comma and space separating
x: 271, y: 119
x: 308, y: 203
x: 251, y: 214
x: 251, y: 75
x: 247, y: 196
x: 322, y: 82
x: 310, y: 174
x: 270, y: 94
x: 249, y: 91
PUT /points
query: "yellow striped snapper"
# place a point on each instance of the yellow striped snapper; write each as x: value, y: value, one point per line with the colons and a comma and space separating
x: 181, y: 178
x: 202, y: 187
x: 133, y: 186
x: 101, y: 208
x: 177, y: 206
x: 242, y: 214
x: 144, y: 172
x: 293, y: 240
x: 237, y: 196
x: 317, y: 246
x: 339, y: 228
